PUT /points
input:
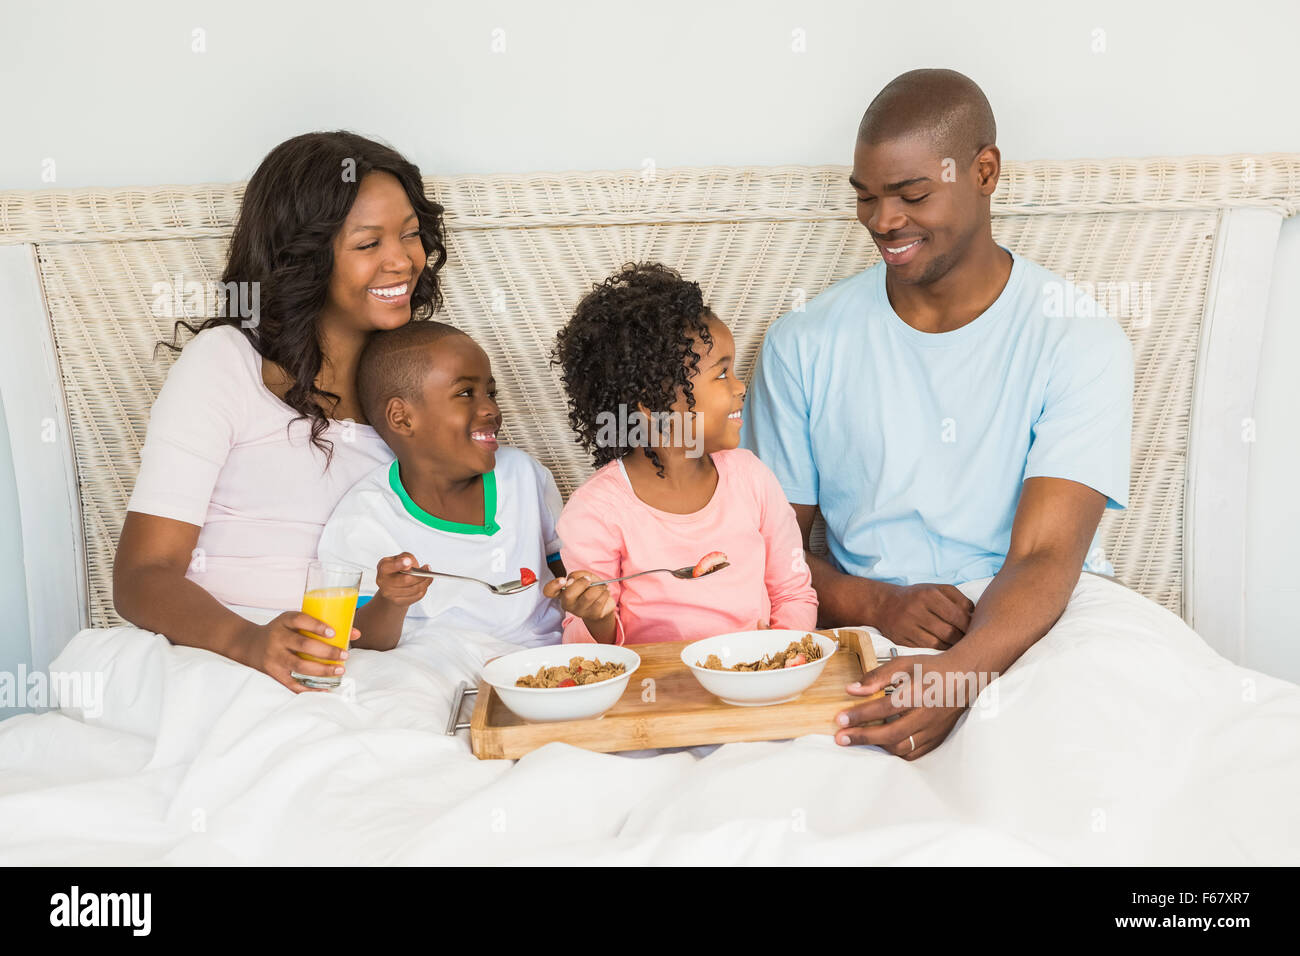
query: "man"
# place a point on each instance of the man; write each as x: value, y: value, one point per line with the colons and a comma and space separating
x: 944, y: 413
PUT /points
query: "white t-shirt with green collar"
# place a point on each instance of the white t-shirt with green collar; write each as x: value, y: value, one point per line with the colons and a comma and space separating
x: 377, y: 518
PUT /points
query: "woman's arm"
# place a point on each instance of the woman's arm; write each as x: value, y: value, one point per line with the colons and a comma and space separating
x: 192, y: 427
x: 151, y: 591
x: 195, y: 421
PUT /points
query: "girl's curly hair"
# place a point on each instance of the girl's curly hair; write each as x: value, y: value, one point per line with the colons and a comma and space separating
x: 293, y: 206
x: 629, y: 342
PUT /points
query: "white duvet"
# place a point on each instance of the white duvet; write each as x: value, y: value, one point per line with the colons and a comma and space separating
x: 1121, y: 737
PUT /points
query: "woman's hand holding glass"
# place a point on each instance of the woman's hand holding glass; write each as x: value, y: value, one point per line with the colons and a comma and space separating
x: 273, y: 648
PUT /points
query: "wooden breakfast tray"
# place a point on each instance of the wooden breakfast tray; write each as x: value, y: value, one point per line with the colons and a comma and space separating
x: 682, y: 714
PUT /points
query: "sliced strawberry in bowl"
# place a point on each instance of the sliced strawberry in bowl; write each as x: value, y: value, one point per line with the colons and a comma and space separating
x: 708, y: 563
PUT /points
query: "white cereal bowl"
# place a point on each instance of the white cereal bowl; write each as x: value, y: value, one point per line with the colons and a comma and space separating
x: 542, y: 704
x: 755, y: 688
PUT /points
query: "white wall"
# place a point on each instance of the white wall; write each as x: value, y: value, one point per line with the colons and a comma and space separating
x: 114, y: 94
x: 117, y: 97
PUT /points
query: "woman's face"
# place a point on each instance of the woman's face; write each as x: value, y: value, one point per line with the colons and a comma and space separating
x: 377, y: 258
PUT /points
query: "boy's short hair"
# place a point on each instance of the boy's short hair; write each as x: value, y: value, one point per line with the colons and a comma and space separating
x: 393, y: 365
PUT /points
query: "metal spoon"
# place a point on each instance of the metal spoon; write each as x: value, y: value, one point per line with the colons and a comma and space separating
x: 510, y: 587
x: 687, y: 573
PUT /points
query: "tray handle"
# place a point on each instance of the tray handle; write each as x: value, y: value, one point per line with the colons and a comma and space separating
x: 454, y: 724
x: 893, y: 651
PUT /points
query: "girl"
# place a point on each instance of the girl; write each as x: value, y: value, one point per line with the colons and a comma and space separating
x: 654, y: 397
x: 257, y: 431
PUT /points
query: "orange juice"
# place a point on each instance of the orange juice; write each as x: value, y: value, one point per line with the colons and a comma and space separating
x: 336, y: 607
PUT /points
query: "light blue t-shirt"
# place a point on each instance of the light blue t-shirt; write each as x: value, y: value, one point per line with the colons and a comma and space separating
x: 915, y: 444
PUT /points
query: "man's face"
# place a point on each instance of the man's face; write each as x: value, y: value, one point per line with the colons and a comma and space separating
x: 923, y: 211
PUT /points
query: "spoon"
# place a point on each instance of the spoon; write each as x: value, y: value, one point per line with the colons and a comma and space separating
x: 687, y: 573
x: 510, y: 587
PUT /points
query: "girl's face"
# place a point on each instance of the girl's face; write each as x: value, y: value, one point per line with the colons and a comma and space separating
x: 719, y: 392
x: 378, y: 256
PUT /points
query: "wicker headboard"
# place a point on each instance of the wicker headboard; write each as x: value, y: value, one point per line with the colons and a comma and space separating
x: 1153, y: 235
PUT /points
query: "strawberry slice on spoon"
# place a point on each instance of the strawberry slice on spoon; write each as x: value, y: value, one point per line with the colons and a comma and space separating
x: 708, y: 563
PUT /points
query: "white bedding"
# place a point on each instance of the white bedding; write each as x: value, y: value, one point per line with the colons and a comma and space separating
x: 1121, y: 737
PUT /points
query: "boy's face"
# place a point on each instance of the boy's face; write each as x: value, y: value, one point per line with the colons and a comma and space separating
x: 457, y: 417
x: 719, y: 392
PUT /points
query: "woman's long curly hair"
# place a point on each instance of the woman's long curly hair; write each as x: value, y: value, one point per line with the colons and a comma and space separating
x: 292, y: 209
x: 629, y: 342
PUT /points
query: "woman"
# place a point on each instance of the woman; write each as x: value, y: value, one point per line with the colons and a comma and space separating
x: 257, y: 431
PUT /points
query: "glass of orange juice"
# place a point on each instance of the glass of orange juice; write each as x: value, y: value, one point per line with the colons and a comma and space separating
x: 330, y: 596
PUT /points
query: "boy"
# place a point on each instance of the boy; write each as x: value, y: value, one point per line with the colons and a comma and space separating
x: 453, y: 497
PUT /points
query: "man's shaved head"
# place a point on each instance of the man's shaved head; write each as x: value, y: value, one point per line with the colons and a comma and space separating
x: 942, y: 106
x: 394, y: 364
x: 925, y: 167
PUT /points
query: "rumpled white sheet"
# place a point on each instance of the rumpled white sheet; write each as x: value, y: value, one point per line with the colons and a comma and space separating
x: 1121, y: 737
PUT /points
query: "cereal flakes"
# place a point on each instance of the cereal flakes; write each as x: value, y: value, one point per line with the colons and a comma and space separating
x: 789, y: 657
x: 578, y: 671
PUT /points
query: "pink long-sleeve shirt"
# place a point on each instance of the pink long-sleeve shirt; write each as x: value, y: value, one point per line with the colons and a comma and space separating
x: 607, y: 529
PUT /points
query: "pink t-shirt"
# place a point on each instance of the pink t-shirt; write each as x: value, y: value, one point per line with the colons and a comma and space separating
x: 607, y: 529
x: 217, y: 455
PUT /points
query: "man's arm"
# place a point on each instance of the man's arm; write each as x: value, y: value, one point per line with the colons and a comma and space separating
x: 842, y: 599
x: 919, y: 615
x: 1054, y: 525
x: 1078, y: 461
x: 1053, y: 528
